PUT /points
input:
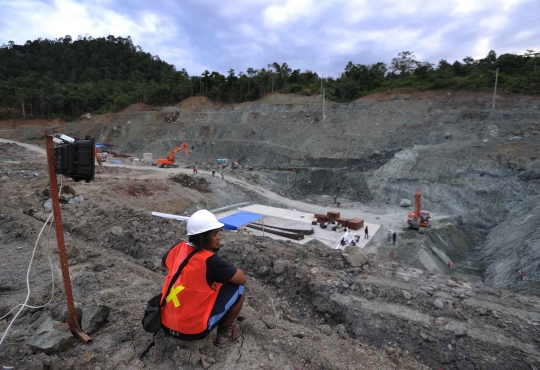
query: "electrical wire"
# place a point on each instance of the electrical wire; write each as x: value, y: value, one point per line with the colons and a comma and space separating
x: 52, y: 276
x: 23, y: 305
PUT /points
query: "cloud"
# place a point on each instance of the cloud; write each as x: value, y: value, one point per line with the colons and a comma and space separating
x: 319, y: 35
x: 291, y: 11
x: 28, y: 20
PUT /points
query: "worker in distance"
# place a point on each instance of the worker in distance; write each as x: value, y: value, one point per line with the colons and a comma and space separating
x: 209, y: 292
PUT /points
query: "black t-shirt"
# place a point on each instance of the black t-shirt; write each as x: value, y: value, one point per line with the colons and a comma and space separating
x: 217, y: 270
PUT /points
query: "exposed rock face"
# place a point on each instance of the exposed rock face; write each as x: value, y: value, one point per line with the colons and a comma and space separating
x: 307, y: 305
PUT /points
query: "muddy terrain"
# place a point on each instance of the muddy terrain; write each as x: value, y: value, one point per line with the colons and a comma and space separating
x: 307, y: 306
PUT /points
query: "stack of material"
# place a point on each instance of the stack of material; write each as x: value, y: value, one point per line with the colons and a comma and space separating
x: 321, y: 218
x: 356, y: 223
x: 332, y: 215
x: 343, y: 221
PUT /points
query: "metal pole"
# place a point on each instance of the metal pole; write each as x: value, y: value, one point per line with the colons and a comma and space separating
x: 323, y: 93
x: 74, y: 320
x: 495, y: 90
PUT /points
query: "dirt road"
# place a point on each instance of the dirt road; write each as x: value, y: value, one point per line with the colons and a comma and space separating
x: 390, y: 217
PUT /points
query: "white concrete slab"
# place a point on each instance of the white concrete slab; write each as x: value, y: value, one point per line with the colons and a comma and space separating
x: 282, y: 217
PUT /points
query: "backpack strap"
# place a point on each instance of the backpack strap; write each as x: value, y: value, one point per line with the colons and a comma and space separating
x: 175, y: 277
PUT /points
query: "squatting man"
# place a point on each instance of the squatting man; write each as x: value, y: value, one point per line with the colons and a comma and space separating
x: 209, y: 292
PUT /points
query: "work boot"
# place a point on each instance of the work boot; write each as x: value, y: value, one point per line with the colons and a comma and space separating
x: 228, y: 333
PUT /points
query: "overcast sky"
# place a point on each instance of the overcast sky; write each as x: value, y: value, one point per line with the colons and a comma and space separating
x: 318, y: 35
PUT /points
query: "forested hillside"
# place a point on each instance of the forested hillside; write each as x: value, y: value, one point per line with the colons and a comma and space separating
x: 67, y: 77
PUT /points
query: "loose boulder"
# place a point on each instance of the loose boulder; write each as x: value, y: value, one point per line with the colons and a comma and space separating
x: 355, y: 256
x: 48, y: 205
x: 280, y: 266
x: 529, y: 175
x: 405, y: 203
x: 94, y: 318
x: 77, y: 199
x: 342, y: 332
x: 51, y: 337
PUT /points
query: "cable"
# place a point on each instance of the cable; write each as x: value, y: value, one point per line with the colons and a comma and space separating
x: 52, y: 276
x: 23, y: 305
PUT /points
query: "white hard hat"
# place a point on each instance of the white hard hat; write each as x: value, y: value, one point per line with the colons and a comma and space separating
x: 202, y: 221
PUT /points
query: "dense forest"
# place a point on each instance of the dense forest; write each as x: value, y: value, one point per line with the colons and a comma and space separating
x: 67, y: 77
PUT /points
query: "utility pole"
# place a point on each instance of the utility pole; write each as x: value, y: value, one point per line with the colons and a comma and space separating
x: 495, y: 90
x: 323, y: 111
x: 323, y: 89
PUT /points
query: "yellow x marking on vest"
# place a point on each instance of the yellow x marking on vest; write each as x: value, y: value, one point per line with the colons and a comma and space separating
x: 173, y: 293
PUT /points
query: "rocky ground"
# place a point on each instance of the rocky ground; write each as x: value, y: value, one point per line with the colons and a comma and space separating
x: 307, y: 306
x: 475, y: 165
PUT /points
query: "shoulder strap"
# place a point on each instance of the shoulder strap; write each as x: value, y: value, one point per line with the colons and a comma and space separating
x: 175, y: 277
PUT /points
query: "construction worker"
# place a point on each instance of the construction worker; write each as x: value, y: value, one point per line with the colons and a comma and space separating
x: 366, y: 233
x: 522, y: 274
x: 449, y: 264
x: 194, y: 170
x: 394, y: 237
x: 208, y: 294
x: 213, y: 172
x: 389, y: 236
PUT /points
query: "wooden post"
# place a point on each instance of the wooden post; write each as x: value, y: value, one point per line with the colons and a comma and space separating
x: 74, y: 320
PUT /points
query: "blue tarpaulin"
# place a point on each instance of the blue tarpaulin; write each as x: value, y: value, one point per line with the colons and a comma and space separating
x: 233, y: 222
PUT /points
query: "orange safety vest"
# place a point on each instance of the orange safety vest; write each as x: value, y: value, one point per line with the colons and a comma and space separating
x: 190, y: 300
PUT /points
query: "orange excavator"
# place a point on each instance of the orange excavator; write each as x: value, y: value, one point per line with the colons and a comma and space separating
x: 100, y: 157
x: 169, y: 161
x: 418, y: 219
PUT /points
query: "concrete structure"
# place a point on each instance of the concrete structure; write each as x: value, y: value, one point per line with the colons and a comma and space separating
x: 281, y: 217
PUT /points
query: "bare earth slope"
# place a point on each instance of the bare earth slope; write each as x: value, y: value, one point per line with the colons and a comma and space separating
x: 307, y: 307
x: 473, y: 165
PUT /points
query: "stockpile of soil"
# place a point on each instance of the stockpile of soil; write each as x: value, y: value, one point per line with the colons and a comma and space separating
x: 192, y: 182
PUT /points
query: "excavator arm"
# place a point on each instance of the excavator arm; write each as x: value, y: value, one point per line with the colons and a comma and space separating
x: 96, y: 153
x: 418, y: 218
x: 417, y: 205
x: 184, y: 146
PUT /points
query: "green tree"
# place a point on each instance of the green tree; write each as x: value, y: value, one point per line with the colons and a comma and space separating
x: 405, y: 63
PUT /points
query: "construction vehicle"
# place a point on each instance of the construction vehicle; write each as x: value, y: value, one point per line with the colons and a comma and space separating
x: 100, y: 157
x: 169, y: 161
x: 418, y: 219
